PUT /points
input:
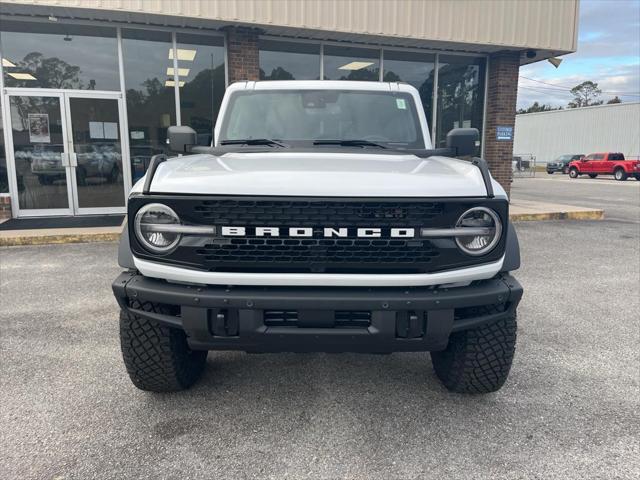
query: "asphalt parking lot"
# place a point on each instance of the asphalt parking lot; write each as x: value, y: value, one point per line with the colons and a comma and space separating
x: 620, y: 200
x: 570, y: 408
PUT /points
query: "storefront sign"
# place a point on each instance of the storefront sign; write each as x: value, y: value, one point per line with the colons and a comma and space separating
x: 504, y: 133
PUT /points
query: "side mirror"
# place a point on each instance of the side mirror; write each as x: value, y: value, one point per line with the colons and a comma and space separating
x: 180, y: 138
x: 204, y: 139
x: 463, y: 140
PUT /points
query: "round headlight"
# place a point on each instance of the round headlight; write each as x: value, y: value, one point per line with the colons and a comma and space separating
x: 155, y: 227
x: 488, y: 229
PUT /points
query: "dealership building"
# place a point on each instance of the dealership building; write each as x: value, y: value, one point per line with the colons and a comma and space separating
x: 89, y: 87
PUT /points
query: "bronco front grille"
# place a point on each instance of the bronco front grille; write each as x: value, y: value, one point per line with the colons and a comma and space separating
x: 316, y: 254
x: 316, y: 213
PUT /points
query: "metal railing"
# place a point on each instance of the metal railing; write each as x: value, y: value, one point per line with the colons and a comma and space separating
x: 523, y: 165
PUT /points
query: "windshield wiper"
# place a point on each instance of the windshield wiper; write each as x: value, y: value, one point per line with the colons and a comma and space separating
x: 253, y: 141
x: 349, y: 143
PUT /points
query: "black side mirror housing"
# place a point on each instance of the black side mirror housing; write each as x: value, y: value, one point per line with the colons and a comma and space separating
x: 181, y: 138
x: 463, y: 140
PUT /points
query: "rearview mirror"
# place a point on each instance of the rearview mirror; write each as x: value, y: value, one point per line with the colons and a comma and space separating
x: 463, y: 140
x: 180, y: 138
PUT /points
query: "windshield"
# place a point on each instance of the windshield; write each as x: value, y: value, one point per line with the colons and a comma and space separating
x: 300, y: 117
x: 563, y: 158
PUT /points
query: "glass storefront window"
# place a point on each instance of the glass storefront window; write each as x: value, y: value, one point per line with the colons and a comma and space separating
x: 289, y: 60
x: 151, y: 107
x: 351, y: 63
x: 461, y: 83
x: 47, y: 55
x: 4, y: 177
x: 201, y: 80
x: 416, y: 69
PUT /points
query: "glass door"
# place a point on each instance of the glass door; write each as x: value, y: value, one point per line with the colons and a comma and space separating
x: 67, y: 152
x: 95, y: 147
x: 40, y: 155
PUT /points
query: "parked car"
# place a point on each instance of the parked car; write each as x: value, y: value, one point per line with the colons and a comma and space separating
x: 561, y: 164
x: 610, y: 163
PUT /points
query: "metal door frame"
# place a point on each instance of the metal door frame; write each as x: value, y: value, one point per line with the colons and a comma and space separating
x: 65, y: 114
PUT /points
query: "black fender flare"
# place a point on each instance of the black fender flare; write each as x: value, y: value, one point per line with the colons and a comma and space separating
x: 125, y: 257
x: 512, y: 250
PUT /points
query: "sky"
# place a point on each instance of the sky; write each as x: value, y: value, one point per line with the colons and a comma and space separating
x: 608, y: 54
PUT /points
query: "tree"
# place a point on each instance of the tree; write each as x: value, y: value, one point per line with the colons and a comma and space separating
x: 536, y: 107
x: 51, y: 72
x: 615, y: 99
x: 585, y: 94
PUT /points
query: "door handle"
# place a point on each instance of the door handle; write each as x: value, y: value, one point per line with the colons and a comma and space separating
x: 73, y: 159
x: 64, y: 158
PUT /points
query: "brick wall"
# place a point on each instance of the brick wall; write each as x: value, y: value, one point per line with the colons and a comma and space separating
x: 502, y: 92
x: 242, y: 53
x: 5, y: 207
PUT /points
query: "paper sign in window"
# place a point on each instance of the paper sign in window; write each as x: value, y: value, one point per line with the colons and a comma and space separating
x: 96, y: 130
x: 111, y: 130
x: 39, y: 128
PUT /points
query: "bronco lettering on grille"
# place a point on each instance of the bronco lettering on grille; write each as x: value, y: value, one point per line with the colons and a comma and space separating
x: 323, y: 232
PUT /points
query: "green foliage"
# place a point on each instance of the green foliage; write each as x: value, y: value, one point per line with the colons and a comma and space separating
x: 536, y: 107
x: 585, y: 94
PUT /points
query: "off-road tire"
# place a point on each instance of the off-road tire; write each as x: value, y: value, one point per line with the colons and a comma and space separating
x: 549, y: 172
x: 573, y: 173
x: 565, y: 170
x: 158, y: 358
x: 593, y: 175
x: 637, y: 175
x: 477, y: 360
x: 620, y: 175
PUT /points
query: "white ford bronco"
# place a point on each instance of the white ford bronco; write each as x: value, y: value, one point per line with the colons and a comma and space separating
x: 320, y: 219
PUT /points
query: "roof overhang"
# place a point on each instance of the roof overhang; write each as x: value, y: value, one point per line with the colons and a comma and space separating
x: 15, y: 10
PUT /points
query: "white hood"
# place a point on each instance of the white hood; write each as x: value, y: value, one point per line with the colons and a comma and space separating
x: 319, y: 174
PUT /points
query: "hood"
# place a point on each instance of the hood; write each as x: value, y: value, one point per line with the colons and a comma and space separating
x: 318, y: 174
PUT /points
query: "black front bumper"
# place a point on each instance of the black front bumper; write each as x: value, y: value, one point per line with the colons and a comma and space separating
x: 386, y: 319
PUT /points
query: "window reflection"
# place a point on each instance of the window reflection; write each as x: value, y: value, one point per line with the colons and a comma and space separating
x: 202, y: 82
x: 95, y: 130
x: 351, y: 63
x: 150, y: 94
x: 289, y: 60
x: 414, y: 68
x: 460, y: 94
x: 43, y: 55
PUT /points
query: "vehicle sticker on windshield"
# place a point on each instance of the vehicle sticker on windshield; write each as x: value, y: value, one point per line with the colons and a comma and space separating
x: 401, y: 104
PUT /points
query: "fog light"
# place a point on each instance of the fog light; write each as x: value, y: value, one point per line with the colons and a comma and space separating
x: 479, y: 244
x: 156, y: 228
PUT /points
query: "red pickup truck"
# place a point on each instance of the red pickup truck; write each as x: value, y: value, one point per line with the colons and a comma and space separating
x: 609, y: 163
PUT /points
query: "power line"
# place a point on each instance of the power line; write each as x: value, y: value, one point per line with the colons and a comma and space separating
x: 564, y: 87
x: 546, y: 92
x: 545, y: 83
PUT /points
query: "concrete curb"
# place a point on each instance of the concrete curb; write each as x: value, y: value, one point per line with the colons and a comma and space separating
x: 53, y: 239
x: 7, y: 240
x: 571, y: 215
